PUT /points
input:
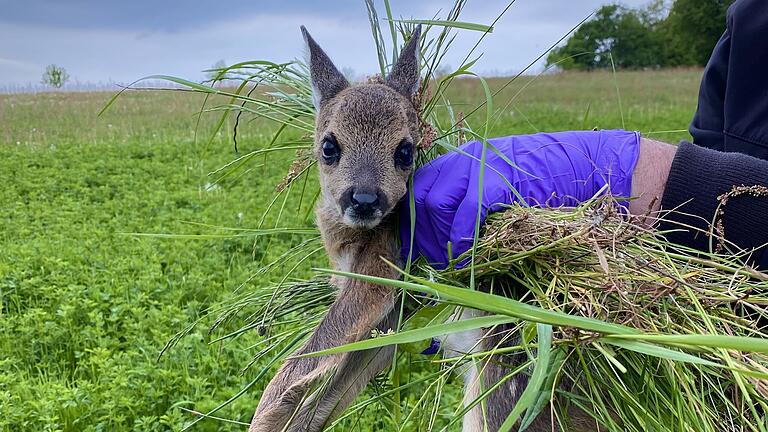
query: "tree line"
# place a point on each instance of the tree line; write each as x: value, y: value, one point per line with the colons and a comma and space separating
x: 658, y: 35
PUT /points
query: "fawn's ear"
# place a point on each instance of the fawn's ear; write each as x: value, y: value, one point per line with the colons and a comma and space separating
x: 326, y: 80
x: 405, y: 73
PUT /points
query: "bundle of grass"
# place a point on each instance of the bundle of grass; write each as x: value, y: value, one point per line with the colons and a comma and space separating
x: 651, y: 336
x: 647, y: 335
x: 595, y: 263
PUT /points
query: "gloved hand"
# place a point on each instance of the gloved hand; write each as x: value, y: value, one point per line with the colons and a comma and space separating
x: 559, y: 169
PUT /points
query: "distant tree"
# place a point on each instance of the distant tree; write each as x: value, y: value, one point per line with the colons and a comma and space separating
x: 692, y: 29
x: 655, y: 36
x: 55, y: 76
x: 615, y: 31
x: 656, y: 11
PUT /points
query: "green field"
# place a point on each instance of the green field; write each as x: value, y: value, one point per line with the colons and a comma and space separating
x: 86, y: 307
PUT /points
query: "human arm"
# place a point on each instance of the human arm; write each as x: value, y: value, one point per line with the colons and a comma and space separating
x: 692, y: 184
x: 685, y: 179
x: 560, y: 169
x: 698, y: 180
x: 650, y: 177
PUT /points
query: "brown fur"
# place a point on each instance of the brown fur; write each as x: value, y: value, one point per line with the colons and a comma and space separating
x: 502, y: 400
x: 368, y: 122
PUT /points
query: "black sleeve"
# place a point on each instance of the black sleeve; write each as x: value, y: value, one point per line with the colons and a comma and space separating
x: 732, y: 112
x: 697, y: 179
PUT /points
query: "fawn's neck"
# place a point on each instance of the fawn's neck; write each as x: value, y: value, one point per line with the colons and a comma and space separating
x: 359, y: 250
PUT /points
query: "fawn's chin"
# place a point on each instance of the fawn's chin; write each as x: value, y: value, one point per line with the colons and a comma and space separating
x: 353, y: 220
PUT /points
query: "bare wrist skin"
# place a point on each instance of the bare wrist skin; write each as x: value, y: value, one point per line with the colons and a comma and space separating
x: 649, y: 177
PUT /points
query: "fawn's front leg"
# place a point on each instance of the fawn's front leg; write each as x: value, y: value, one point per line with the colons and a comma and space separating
x: 285, y: 404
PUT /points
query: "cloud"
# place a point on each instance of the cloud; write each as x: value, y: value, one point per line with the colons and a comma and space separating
x: 151, y: 15
x: 122, y: 41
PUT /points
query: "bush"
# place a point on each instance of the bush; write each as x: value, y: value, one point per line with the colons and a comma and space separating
x: 55, y: 76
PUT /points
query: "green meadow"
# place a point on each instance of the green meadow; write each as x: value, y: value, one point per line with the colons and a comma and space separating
x: 92, y: 289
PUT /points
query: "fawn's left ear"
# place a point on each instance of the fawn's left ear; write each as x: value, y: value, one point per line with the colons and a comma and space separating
x: 405, y: 73
x: 326, y: 79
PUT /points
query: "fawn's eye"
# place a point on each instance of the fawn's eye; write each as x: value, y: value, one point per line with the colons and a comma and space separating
x: 404, y: 155
x: 331, y: 150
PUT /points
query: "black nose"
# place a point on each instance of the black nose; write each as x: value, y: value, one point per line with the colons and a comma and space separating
x: 364, y: 202
x: 364, y: 199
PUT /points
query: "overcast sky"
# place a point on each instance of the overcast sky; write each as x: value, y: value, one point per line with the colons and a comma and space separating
x: 120, y: 41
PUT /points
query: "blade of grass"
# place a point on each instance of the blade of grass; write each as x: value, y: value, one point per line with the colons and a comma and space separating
x: 416, y: 335
x: 541, y: 364
x: 452, y: 24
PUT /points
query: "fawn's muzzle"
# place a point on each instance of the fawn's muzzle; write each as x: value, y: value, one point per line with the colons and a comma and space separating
x: 363, y: 205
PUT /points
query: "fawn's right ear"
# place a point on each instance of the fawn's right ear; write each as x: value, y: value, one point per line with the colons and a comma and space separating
x: 326, y: 80
x: 404, y: 76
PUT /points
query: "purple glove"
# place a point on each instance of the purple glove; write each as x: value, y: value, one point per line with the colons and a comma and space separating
x: 559, y: 169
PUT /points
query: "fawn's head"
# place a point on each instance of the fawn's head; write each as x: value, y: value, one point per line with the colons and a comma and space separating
x: 365, y: 135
